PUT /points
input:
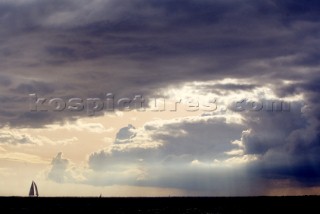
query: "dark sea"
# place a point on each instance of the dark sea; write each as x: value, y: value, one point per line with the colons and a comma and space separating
x: 301, y: 204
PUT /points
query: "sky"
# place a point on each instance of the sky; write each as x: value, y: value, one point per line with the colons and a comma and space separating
x: 160, y: 98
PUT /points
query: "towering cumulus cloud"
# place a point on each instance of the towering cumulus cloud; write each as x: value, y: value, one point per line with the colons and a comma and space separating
x: 58, y: 170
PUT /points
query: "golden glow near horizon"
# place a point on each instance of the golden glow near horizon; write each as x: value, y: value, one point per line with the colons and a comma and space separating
x: 77, y: 140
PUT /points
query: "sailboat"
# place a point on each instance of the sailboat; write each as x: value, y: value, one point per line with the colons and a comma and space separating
x: 33, y: 190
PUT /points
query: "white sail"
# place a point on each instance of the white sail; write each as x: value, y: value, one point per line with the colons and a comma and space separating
x: 33, y: 190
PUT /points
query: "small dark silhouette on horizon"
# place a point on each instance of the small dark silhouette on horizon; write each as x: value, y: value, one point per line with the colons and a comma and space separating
x: 33, y: 190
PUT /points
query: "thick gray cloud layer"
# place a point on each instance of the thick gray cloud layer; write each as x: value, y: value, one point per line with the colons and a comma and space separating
x: 87, y: 48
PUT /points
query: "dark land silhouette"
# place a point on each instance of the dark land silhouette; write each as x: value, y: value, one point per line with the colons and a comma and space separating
x: 301, y: 204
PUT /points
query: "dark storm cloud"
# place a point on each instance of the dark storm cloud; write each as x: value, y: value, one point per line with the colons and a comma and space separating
x: 299, y: 168
x: 287, y: 144
x: 271, y: 129
x: 89, y: 48
x: 299, y: 10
